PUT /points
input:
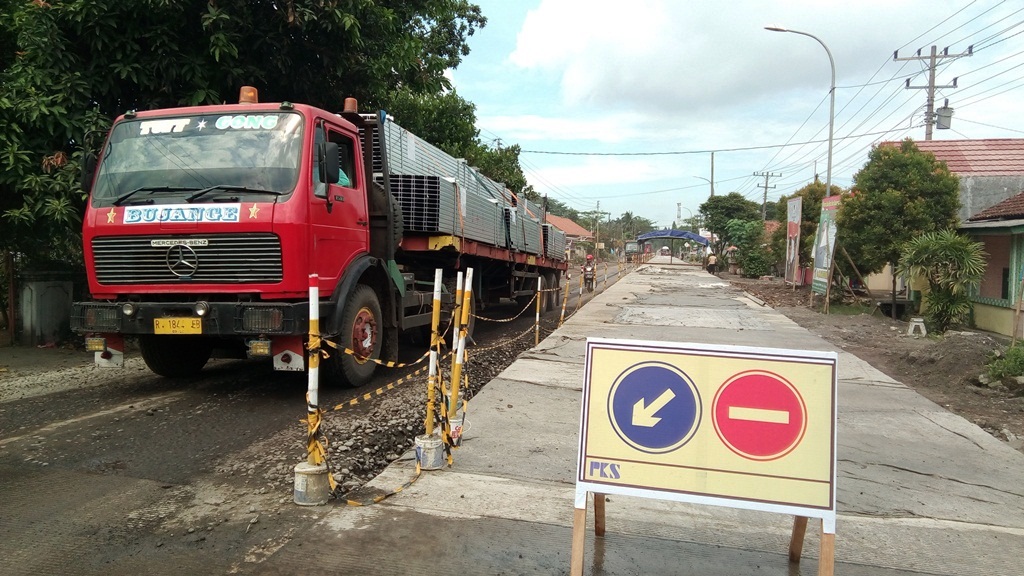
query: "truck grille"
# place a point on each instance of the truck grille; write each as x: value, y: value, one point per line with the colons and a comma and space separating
x: 224, y: 259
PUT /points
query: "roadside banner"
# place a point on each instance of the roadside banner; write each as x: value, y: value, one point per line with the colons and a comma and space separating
x: 824, y: 244
x: 794, y: 210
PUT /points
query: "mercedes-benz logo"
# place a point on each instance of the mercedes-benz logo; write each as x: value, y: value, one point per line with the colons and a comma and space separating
x: 182, y: 260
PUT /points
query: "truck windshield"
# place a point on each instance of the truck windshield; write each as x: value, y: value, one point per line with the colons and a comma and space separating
x: 254, y: 154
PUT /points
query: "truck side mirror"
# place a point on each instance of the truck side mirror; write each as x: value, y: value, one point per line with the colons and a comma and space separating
x: 327, y: 154
x: 88, y: 171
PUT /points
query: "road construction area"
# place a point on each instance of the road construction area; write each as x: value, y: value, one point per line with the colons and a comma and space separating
x: 142, y: 475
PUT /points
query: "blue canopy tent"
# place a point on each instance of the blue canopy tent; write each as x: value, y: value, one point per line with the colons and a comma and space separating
x: 672, y: 235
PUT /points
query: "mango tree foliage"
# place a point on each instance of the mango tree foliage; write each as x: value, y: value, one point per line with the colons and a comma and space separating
x: 900, y: 194
x: 68, y: 68
x: 717, y: 211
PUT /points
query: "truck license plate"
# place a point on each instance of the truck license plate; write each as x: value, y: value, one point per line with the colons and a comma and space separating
x: 177, y: 326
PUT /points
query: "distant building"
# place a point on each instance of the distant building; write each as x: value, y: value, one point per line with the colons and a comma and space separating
x: 574, y: 233
x: 991, y: 174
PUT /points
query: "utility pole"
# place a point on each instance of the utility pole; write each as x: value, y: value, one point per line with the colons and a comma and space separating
x: 929, y: 119
x: 712, y: 174
x: 596, y: 215
x: 764, y: 201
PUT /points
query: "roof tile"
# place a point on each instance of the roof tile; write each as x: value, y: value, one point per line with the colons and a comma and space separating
x: 983, y: 157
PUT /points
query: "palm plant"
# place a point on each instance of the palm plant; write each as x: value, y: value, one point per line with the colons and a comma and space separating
x: 952, y: 264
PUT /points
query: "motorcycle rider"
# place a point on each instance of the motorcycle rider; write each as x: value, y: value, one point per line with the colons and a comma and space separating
x: 589, y: 270
x: 589, y: 262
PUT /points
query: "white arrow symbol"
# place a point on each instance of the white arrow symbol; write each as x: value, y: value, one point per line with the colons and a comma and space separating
x: 644, y: 415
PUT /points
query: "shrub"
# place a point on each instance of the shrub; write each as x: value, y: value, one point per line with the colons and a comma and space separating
x: 1009, y: 365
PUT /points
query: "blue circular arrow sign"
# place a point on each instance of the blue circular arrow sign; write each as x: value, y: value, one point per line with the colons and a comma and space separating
x: 654, y: 407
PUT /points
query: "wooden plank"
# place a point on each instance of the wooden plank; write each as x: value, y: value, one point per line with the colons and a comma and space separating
x: 579, y: 531
x: 827, y: 558
x: 796, y: 542
x: 599, y: 500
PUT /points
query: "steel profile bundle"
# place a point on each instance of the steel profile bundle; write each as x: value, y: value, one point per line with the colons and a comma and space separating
x: 444, y: 195
x: 554, y: 241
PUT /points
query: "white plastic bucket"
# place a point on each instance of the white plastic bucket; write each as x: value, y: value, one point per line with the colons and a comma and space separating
x: 429, y: 452
x: 457, y: 430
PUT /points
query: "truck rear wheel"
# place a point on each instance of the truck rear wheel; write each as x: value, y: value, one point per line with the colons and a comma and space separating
x: 360, y: 332
x: 175, y: 356
x: 553, y: 299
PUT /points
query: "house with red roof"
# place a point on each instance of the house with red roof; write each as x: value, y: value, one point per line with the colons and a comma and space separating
x: 574, y: 233
x: 991, y: 173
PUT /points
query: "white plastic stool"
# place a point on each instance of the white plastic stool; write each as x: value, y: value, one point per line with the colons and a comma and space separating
x: 915, y: 324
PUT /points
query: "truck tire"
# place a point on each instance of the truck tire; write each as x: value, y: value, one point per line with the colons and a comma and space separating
x: 553, y: 300
x: 175, y: 356
x: 361, y: 332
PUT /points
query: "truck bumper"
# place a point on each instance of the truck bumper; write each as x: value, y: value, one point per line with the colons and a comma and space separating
x: 212, y: 319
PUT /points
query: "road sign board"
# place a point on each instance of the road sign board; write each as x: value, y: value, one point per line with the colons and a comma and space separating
x: 654, y: 407
x: 727, y: 425
x: 759, y: 415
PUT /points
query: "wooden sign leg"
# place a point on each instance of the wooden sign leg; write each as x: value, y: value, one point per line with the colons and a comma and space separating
x: 796, y: 542
x: 579, y: 532
x: 827, y: 557
x: 599, y: 514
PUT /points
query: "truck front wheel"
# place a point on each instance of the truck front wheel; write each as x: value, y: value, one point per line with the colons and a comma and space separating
x: 175, y: 356
x: 362, y: 333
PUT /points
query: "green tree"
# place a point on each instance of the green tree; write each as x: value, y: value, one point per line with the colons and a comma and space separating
x: 501, y: 164
x: 448, y: 121
x: 900, y: 194
x: 68, y: 68
x: 717, y: 211
x: 559, y: 208
x: 953, y: 265
x: 444, y: 119
x: 753, y: 252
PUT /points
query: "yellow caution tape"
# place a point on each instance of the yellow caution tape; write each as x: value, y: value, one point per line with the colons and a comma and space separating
x: 382, y: 497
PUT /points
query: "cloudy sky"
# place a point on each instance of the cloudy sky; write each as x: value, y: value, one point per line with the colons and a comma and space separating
x: 618, y: 105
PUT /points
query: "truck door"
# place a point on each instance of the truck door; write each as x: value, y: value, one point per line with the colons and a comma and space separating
x: 338, y: 214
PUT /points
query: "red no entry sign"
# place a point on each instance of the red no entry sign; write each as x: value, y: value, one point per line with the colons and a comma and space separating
x: 759, y: 415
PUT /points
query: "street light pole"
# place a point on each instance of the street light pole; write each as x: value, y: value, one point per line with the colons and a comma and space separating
x: 709, y: 181
x: 832, y: 99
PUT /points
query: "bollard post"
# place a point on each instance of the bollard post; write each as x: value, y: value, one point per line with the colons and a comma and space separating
x: 565, y: 300
x: 312, y: 481
x: 536, y: 322
x: 429, y: 452
x: 453, y: 402
x: 435, y: 350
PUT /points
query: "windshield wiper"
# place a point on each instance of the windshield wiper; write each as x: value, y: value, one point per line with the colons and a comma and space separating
x: 230, y: 187
x: 123, y: 197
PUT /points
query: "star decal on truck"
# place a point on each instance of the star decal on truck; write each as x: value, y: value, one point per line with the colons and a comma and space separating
x: 111, y: 215
x: 254, y: 211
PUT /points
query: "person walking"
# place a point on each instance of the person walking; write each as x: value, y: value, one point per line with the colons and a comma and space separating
x: 713, y: 263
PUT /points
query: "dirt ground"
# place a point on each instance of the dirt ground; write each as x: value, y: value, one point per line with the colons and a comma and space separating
x: 945, y: 369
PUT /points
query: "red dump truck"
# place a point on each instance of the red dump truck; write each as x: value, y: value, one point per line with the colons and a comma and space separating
x: 204, y: 225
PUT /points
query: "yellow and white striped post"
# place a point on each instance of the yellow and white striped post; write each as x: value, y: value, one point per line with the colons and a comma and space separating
x: 536, y: 321
x: 565, y: 300
x: 460, y: 351
x: 313, y: 483
x: 435, y: 350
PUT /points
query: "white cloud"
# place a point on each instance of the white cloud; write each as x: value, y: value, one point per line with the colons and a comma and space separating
x: 682, y: 57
